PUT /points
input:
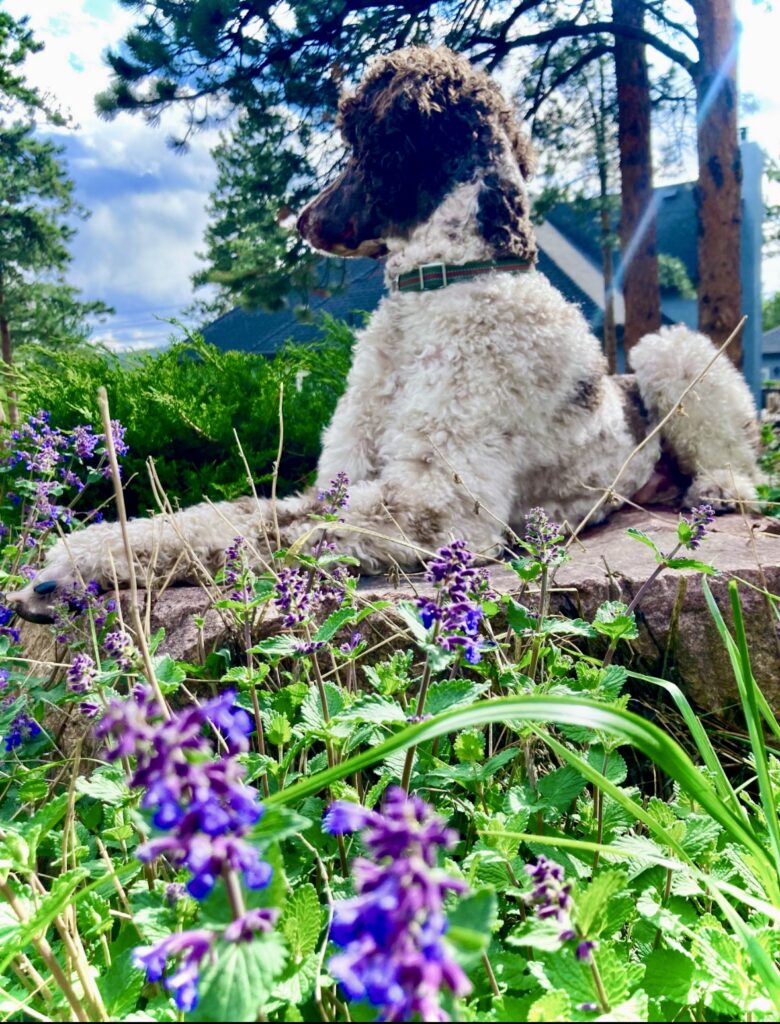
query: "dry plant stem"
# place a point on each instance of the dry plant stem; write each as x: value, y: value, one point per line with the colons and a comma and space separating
x: 277, y: 462
x: 30, y: 1014
x: 31, y: 974
x: 122, y: 514
x: 600, y: 991
x: 47, y: 955
x: 235, y: 896
x: 491, y: 976
x: 653, y: 433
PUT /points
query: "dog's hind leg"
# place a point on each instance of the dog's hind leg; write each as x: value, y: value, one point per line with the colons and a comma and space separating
x: 714, y: 434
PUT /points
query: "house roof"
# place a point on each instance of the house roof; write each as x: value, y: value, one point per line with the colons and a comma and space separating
x: 771, y: 346
x: 569, y: 255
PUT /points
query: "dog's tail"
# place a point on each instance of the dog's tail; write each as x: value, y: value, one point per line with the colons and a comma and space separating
x: 714, y: 433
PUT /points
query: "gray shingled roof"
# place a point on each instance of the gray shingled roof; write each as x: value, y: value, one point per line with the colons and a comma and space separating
x: 771, y: 346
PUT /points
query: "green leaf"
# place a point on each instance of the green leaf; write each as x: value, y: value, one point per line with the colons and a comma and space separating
x: 648, y: 541
x: 301, y: 922
x: 536, y: 933
x: 518, y: 616
x: 472, y: 922
x: 668, y: 975
x: 692, y: 563
x: 238, y: 982
x: 279, y: 731
x: 333, y: 624
x: 372, y: 708
x: 311, y: 709
x: 169, y: 675
x: 447, y: 694
x: 106, y: 785
x: 567, y: 627
x: 561, y: 786
x: 121, y: 984
x: 591, y: 905
x: 611, y: 620
x: 555, y: 1005
x: 470, y: 747
x: 526, y: 568
x: 33, y: 789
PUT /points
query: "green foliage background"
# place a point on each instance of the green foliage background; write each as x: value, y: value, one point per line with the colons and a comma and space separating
x: 181, y: 406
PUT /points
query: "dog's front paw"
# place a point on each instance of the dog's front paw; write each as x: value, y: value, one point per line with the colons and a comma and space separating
x: 722, y: 489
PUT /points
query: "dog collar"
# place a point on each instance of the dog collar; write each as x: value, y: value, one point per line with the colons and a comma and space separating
x: 429, y: 276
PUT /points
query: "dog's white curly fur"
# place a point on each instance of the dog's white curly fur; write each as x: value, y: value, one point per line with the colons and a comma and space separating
x: 497, y: 378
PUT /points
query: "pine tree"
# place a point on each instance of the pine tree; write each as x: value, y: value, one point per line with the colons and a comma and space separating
x: 37, y: 306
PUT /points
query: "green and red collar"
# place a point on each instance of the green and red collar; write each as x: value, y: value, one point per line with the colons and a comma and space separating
x: 430, y: 276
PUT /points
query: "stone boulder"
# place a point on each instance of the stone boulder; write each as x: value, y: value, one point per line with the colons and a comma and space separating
x: 677, y: 633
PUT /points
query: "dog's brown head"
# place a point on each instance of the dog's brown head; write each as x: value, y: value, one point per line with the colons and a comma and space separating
x: 421, y: 122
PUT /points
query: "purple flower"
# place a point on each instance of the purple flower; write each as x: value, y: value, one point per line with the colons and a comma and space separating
x: 244, y: 929
x: 459, y: 585
x: 81, y: 674
x: 391, y: 933
x: 551, y: 897
x: 292, y: 596
x: 121, y: 648
x: 84, y: 441
x: 22, y: 728
x: 351, y: 645
x: 543, y: 537
x: 335, y: 498
x: 201, y: 804
x: 188, y: 949
x: 5, y: 675
x: 692, y: 530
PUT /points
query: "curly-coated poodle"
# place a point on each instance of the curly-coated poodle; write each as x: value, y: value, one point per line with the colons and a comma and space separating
x: 477, y: 390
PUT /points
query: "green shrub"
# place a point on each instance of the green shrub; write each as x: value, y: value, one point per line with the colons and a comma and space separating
x: 182, y: 405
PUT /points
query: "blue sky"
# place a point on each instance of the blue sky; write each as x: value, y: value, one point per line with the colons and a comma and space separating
x: 138, y: 249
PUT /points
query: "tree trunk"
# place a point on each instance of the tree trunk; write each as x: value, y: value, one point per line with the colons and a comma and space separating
x: 719, y: 190
x: 600, y: 116
x: 638, y: 243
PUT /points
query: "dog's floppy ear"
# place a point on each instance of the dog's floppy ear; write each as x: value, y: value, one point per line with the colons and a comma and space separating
x: 503, y: 217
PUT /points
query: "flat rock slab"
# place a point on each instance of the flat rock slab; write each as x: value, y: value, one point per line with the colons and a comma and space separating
x: 676, y: 629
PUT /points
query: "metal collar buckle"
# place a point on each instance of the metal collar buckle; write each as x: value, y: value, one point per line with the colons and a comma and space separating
x: 432, y: 266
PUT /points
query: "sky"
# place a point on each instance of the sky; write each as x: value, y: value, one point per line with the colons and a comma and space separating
x: 137, y: 251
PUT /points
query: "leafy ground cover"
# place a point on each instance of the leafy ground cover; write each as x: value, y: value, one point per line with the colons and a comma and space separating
x: 469, y: 822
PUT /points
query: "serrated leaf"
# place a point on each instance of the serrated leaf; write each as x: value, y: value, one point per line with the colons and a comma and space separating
x: 668, y: 975
x: 518, y: 616
x: 238, y: 982
x: 32, y: 790
x: 169, y: 674
x: 447, y: 694
x: 555, y: 1005
x: 301, y: 922
x: 648, y: 541
x: 692, y: 563
x: 611, y: 620
x: 333, y: 624
x: 279, y: 731
x: 106, y: 785
x: 612, y: 765
x: 372, y: 708
x: 561, y: 786
x: 469, y: 747
x: 121, y: 984
x: 311, y: 709
x: 536, y: 933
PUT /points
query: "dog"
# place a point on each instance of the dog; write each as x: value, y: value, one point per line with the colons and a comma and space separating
x: 476, y: 390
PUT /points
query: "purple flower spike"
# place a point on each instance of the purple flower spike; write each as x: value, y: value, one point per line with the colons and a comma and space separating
x: 335, y: 498
x: 551, y: 896
x: 543, y: 537
x: 456, y: 609
x: 700, y: 519
x: 188, y: 949
x: 81, y: 674
x: 391, y: 933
